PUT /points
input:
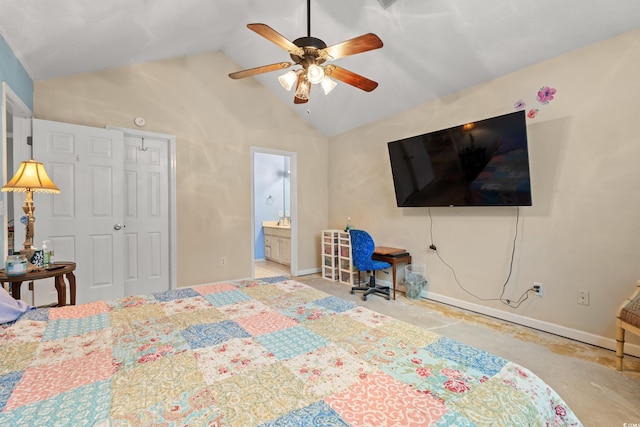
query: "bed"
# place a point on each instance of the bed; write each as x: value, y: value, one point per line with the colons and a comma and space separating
x: 270, y: 352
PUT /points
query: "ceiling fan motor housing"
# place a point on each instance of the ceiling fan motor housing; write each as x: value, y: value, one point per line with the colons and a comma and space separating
x: 310, y: 42
x: 310, y: 46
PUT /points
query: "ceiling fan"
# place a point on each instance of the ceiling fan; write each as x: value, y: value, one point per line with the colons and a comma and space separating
x: 311, y: 54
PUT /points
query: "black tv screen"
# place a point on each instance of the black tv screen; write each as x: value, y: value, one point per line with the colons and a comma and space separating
x: 484, y: 163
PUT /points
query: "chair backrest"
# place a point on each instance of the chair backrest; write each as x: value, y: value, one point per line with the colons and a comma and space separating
x: 362, y: 248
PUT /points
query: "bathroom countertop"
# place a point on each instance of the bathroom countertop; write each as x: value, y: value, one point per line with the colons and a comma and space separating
x: 274, y: 224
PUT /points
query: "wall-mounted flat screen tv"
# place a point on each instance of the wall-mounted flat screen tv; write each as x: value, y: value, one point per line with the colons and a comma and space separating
x: 483, y: 163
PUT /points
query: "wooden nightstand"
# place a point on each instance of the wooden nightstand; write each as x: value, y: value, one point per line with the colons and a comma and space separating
x: 59, y: 271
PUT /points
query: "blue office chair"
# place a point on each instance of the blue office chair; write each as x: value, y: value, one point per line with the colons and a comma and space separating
x: 362, y: 248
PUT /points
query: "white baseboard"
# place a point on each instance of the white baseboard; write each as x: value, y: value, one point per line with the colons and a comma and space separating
x: 552, y: 328
x: 309, y: 271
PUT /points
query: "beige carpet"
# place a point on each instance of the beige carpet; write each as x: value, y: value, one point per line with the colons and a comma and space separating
x: 584, y: 375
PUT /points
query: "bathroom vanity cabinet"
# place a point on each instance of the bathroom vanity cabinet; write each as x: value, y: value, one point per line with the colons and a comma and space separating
x: 277, y: 243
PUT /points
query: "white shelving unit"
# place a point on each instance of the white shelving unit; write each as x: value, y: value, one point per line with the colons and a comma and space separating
x: 347, y: 271
x: 330, y: 254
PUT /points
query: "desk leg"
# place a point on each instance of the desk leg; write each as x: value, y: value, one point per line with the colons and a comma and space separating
x: 71, y: 278
x: 394, y: 280
x: 62, y: 291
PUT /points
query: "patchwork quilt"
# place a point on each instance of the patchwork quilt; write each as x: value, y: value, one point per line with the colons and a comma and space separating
x: 271, y: 352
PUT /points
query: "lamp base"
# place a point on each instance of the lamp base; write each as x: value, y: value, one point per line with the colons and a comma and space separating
x: 28, y: 209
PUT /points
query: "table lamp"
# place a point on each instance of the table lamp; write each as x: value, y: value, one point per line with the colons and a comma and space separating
x: 31, y: 177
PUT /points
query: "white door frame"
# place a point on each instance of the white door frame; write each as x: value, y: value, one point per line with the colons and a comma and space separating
x: 11, y: 103
x: 171, y: 139
x: 293, y: 190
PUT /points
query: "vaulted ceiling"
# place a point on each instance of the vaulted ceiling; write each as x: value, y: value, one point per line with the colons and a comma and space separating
x: 432, y: 48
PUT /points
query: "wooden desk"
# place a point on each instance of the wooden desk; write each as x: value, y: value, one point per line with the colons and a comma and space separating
x: 393, y: 256
x: 59, y: 274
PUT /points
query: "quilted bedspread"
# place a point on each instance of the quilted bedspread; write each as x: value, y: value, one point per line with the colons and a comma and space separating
x: 271, y: 352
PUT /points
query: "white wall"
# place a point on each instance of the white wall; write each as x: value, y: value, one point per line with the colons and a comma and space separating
x: 582, y: 231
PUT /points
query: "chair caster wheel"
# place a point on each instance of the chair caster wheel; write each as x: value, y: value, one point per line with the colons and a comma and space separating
x: 364, y: 298
x: 353, y: 292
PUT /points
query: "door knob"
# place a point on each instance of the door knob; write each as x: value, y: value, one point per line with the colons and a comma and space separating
x: 118, y: 226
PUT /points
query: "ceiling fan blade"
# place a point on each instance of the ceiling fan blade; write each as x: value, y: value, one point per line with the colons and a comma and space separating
x: 260, y: 70
x: 273, y: 36
x: 351, y: 78
x: 360, y: 44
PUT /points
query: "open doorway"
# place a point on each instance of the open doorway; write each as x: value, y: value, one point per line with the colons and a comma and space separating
x: 274, y: 220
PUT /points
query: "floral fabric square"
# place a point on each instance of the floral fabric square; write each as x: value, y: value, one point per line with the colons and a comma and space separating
x: 205, y: 335
x: 291, y: 342
x: 257, y: 352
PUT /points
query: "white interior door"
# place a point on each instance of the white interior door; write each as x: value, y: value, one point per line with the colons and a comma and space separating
x: 146, y: 210
x: 86, y: 164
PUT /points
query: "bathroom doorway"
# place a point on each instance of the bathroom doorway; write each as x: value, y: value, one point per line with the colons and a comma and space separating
x: 274, y: 213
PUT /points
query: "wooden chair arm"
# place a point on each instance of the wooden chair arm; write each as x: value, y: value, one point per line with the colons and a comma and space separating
x: 631, y: 298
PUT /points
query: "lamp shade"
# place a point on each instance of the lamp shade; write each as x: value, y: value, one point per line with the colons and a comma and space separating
x: 328, y: 85
x: 31, y: 176
x: 288, y: 79
x: 302, y: 91
x: 315, y: 73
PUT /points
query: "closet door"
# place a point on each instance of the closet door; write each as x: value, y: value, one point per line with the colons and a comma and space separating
x: 146, y: 215
x: 85, y: 221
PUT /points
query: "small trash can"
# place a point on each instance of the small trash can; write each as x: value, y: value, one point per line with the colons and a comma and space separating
x: 414, y: 280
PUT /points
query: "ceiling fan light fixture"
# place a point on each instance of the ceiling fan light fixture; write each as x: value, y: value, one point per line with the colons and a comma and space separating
x: 311, y: 53
x: 302, y: 91
x: 315, y: 73
x: 287, y: 80
x: 327, y: 85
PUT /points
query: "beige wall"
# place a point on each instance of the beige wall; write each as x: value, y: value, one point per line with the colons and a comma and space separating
x: 215, y: 126
x: 583, y: 230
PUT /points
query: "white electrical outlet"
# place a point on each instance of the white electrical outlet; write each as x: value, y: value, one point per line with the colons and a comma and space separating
x: 538, y: 289
x: 223, y: 261
x: 583, y: 297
